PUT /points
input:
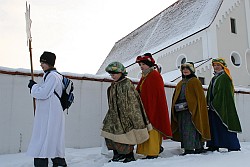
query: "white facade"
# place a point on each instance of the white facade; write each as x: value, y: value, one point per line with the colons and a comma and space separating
x: 221, y: 29
x: 85, y: 117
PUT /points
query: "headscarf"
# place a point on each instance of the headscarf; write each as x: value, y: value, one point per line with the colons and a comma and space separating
x: 222, y: 62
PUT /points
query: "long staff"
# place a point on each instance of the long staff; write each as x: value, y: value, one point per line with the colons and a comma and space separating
x: 29, y: 40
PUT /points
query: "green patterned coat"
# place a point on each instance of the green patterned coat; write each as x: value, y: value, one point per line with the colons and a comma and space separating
x: 126, y: 121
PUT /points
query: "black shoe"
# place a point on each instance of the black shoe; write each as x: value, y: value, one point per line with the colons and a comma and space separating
x: 151, y: 157
x: 118, y: 157
x: 126, y: 160
x: 59, y: 162
x: 212, y: 149
x: 129, y: 157
x: 41, y: 162
x: 188, y: 152
x: 200, y: 151
x: 161, y: 149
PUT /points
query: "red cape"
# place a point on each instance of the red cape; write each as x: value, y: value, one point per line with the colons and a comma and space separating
x: 151, y: 89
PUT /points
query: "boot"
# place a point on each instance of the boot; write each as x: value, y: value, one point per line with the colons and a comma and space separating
x: 200, y: 150
x: 117, y: 157
x: 129, y: 157
x: 59, y: 162
x: 188, y: 152
x: 41, y: 162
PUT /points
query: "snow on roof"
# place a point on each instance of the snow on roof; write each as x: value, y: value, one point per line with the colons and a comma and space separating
x: 182, y: 19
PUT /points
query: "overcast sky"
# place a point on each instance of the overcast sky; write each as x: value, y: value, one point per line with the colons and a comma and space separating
x: 80, y: 32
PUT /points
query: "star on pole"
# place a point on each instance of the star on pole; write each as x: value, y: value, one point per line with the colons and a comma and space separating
x: 28, y: 23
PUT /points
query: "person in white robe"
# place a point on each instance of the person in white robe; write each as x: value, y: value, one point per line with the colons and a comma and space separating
x: 48, y: 135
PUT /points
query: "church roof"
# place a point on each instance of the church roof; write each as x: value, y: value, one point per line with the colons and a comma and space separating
x: 179, y: 21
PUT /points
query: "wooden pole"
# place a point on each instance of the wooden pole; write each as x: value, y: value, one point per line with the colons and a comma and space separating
x: 28, y: 26
x: 32, y: 72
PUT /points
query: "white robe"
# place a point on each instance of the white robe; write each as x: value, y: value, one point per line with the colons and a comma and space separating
x: 48, y: 136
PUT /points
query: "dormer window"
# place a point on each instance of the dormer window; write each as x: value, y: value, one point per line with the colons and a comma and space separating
x: 233, y: 25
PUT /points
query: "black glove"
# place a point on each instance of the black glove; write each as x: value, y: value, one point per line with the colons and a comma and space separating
x: 31, y: 83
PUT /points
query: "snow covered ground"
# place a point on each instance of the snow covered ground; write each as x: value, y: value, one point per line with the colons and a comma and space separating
x: 92, y: 157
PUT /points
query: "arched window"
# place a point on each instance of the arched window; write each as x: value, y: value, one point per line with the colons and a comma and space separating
x: 236, y: 59
x: 181, y: 59
x: 184, y: 60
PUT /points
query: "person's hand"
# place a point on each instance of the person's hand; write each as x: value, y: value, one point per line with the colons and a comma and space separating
x: 31, y: 83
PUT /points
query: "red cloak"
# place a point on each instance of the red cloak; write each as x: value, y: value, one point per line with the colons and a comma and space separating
x: 151, y: 89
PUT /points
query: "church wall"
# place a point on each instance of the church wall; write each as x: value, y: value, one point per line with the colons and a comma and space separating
x: 234, y: 45
x: 193, y: 49
x: 190, y: 48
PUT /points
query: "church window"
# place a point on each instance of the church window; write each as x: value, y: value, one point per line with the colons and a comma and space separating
x: 233, y: 25
x: 181, y: 60
x: 235, y: 59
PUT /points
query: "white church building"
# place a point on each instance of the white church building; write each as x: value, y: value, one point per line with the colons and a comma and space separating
x: 191, y: 30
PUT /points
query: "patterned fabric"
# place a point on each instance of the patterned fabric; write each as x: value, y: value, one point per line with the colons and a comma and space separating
x: 126, y: 121
x: 116, y: 67
x: 220, y: 61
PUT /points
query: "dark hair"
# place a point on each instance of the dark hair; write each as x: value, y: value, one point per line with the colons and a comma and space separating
x: 148, y: 54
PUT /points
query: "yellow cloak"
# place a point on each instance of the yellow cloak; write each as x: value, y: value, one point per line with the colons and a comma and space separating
x: 197, y: 107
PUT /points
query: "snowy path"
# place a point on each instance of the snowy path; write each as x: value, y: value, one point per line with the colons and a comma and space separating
x: 92, y: 157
